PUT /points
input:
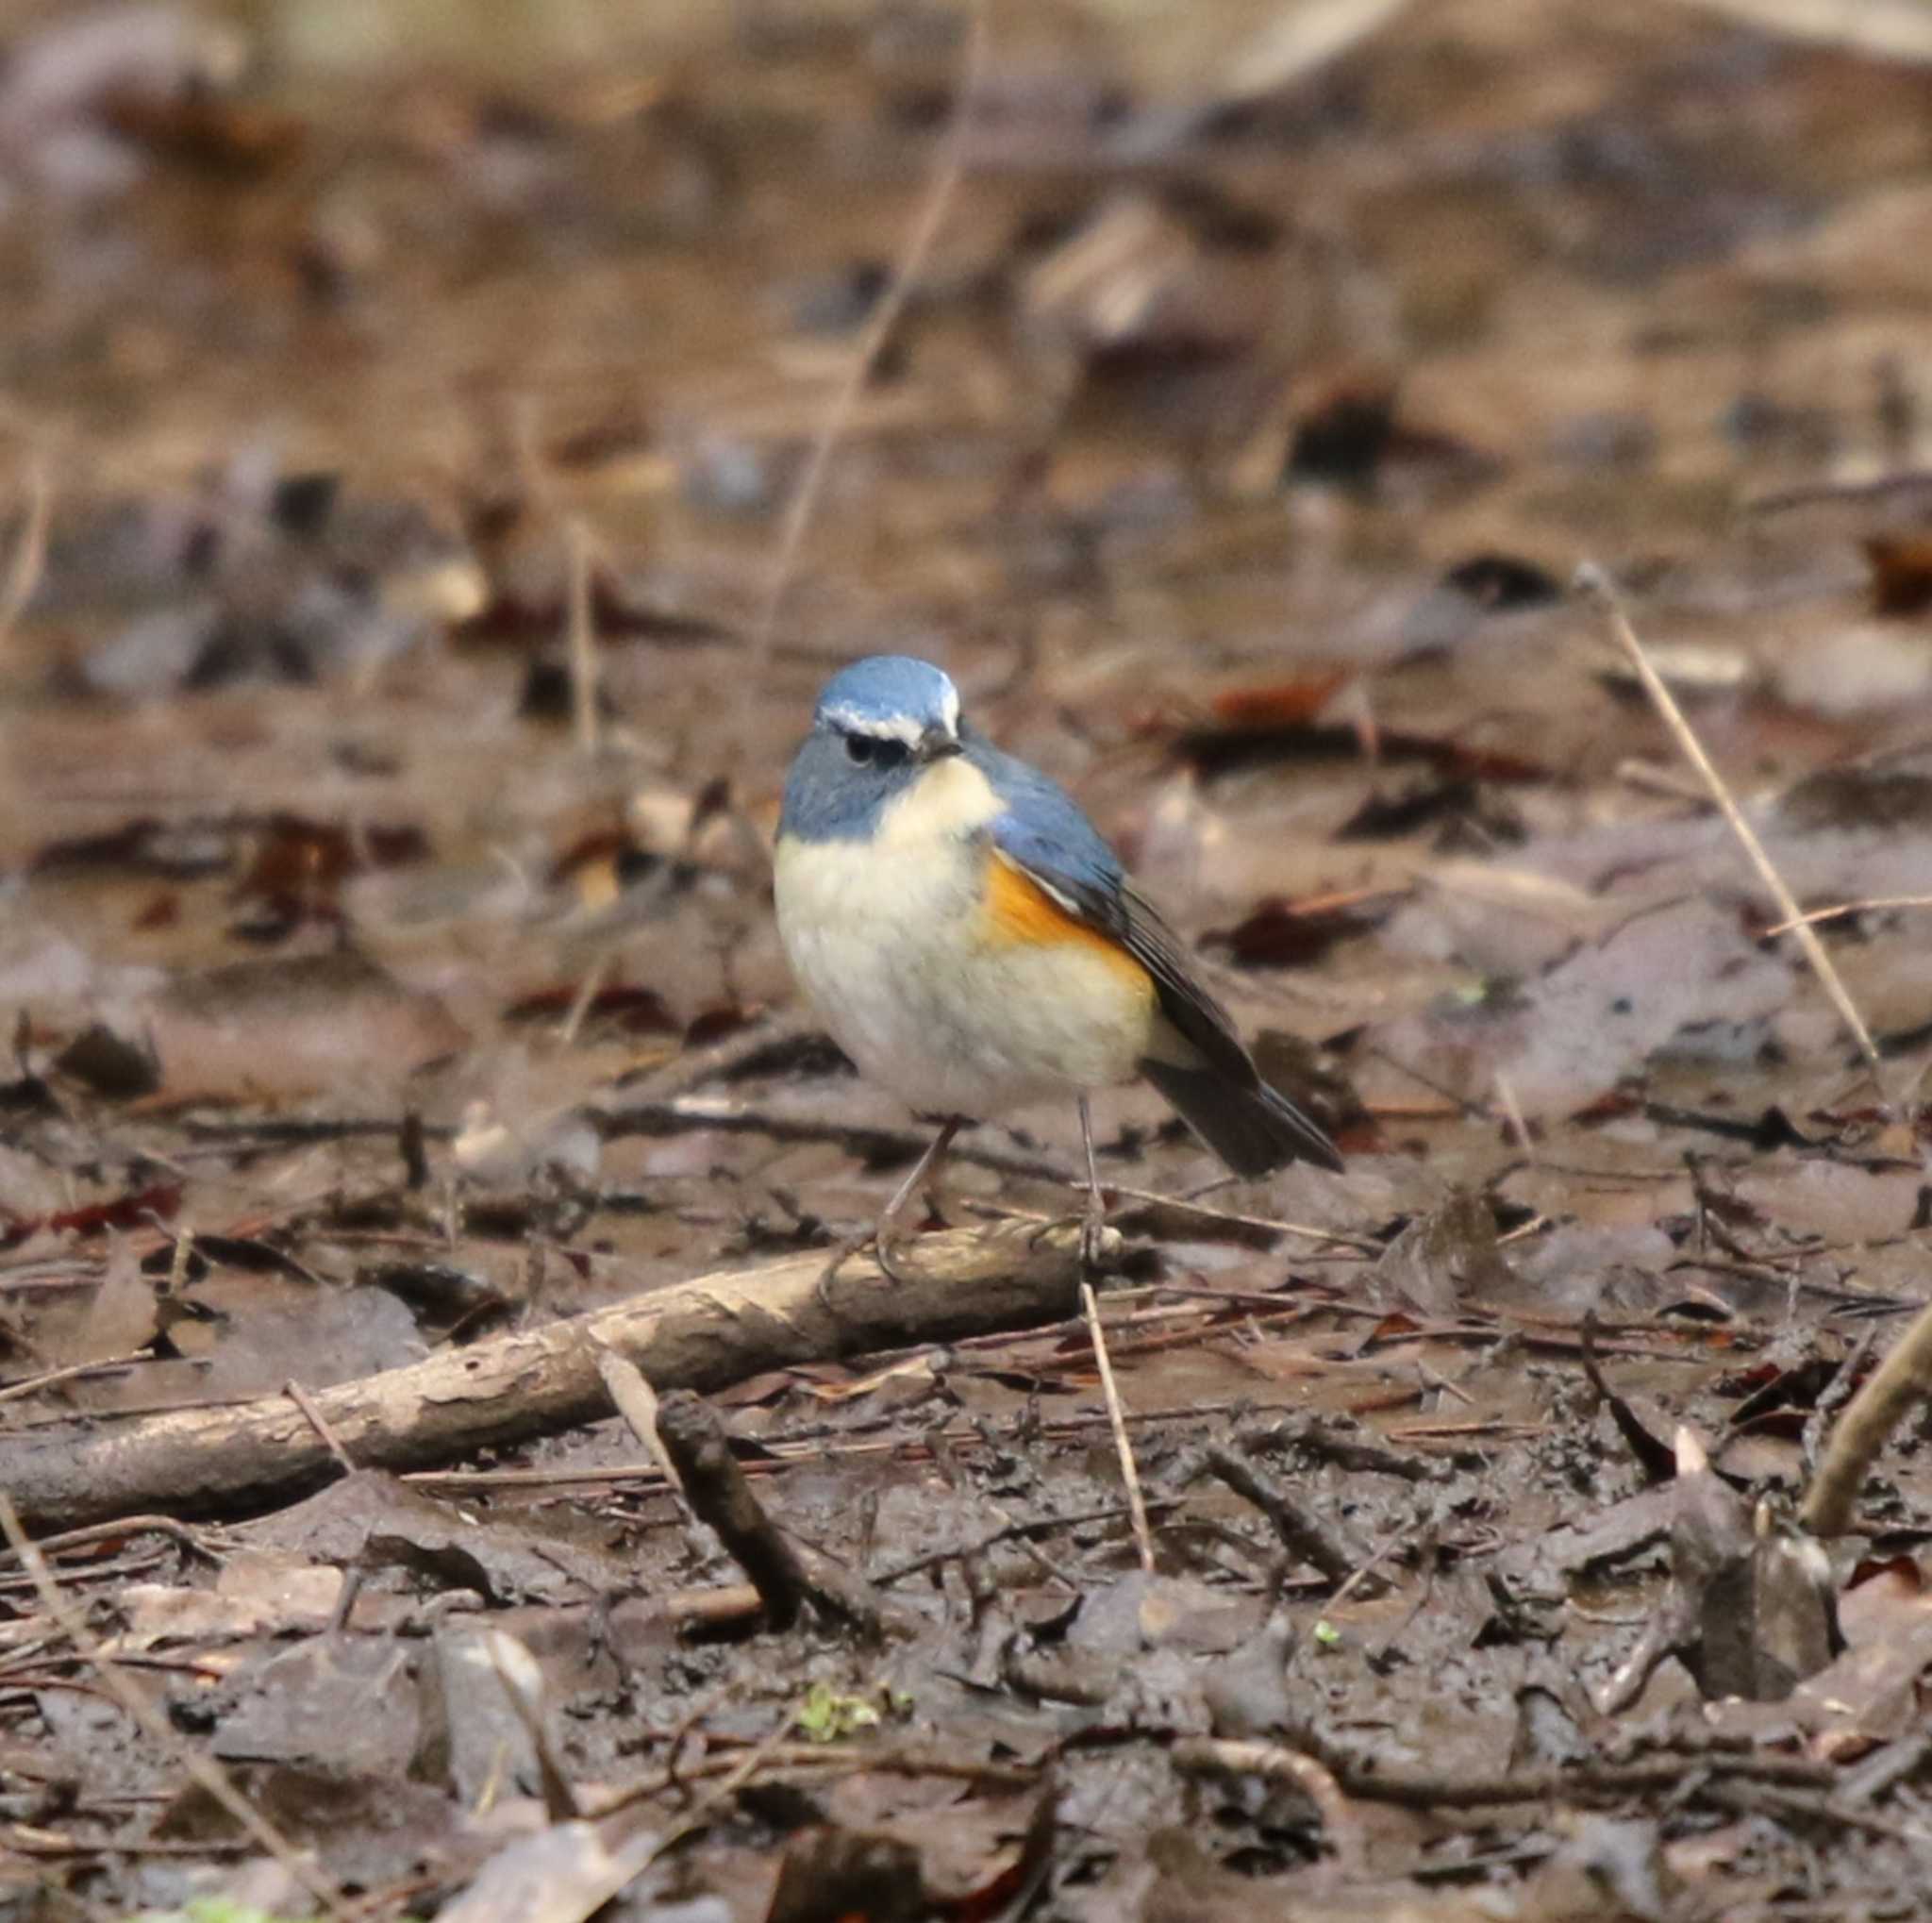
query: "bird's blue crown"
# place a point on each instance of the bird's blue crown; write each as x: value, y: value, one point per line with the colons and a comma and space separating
x: 889, y: 695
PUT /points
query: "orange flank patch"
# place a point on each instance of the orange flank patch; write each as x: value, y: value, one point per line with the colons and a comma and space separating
x: 1018, y: 910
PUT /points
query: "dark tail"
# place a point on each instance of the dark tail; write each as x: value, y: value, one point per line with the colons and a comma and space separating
x: 1254, y: 1131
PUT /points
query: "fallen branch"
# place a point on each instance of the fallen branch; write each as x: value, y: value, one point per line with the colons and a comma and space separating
x: 510, y: 1388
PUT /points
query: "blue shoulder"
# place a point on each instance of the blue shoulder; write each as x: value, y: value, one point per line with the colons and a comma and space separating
x: 1042, y: 828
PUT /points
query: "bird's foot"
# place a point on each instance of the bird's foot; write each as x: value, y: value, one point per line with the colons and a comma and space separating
x: 885, y: 1248
x: 841, y: 1253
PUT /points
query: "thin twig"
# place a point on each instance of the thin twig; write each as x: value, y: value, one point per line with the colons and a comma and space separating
x: 522, y: 1681
x: 196, y: 1541
x: 1368, y: 1781
x: 582, y: 637
x: 1187, y: 1206
x: 1303, y: 1537
x: 1592, y: 580
x: 1845, y: 908
x: 884, y: 316
x: 1130, y: 1474
x: 1012, y: 1531
x: 588, y: 990
x: 1512, y: 1112
x: 31, y: 1385
x: 319, y: 1423
x: 155, y: 1726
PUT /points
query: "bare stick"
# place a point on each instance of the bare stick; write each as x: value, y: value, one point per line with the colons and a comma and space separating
x: 588, y: 990
x: 721, y: 1495
x: 1458, y: 1789
x: 1130, y: 1474
x: 155, y: 1726
x: 319, y: 1423
x: 1592, y: 580
x: 1900, y: 1380
x: 884, y: 316
x: 1301, y: 1534
x: 1845, y: 908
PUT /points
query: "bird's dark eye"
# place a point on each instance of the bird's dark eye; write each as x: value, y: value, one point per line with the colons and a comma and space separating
x: 868, y: 751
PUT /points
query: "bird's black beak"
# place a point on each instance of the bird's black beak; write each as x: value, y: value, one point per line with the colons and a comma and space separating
x: 935, y: 745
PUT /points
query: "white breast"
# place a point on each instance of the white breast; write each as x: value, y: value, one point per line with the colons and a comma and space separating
x: 887, y: 937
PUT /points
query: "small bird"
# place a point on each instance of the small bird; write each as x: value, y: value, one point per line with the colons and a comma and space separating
x: 974, y: 945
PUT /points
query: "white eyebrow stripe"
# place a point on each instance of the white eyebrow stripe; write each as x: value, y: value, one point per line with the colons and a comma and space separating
x: 900, y: 727
x: 949, y: 710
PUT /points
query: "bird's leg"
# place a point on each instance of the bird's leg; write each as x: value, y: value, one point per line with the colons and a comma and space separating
x: 880, y: 1235
x: 1093, y: 1226
x: 927, y: 1165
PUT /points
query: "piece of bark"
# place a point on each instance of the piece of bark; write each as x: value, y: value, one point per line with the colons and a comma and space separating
x: 509, y: 1388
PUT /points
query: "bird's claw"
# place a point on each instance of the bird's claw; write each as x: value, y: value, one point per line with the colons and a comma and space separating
x: 885, y: 1251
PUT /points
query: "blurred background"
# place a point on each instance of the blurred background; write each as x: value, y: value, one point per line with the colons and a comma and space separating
x: 444, y: 447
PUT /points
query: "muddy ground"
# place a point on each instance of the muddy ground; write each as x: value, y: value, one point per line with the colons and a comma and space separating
x: 408, y: 611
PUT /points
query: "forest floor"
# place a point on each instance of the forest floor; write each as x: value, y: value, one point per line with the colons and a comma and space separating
x: 409, y: 617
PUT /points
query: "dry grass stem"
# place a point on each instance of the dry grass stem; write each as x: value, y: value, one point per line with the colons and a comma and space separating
x: 583, y: 638
x: 1845, y: 908
x: 319, y: 1423
x: 588, y: 992
x: 1131, y: 1473
x: 1187, y: 1206
x: 884, y: 316
x: 1512, y: 1111
x: 1592, y: 580
x: 31, y: 1385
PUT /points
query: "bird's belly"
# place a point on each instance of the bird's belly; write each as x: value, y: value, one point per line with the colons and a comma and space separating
x: 893, y: 950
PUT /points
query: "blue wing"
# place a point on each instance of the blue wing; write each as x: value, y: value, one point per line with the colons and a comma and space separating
x: 1199, y: 1062
x: 1044, y: 832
